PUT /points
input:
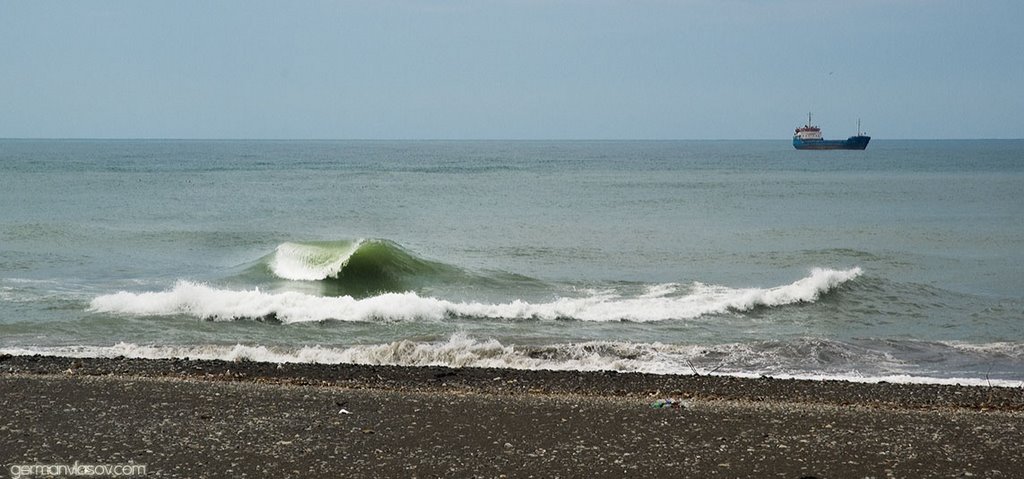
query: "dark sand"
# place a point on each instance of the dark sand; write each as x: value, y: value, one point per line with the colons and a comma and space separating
x: 243, y: 419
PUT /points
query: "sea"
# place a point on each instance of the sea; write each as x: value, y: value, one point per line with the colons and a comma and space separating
x: 900, y: 263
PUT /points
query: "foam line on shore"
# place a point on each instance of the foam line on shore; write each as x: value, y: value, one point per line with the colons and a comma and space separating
x: 460, y: 350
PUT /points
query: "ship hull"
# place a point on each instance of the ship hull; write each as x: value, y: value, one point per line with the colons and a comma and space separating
x: 851, y: 143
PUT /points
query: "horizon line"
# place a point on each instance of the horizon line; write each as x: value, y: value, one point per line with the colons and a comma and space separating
x: 461, y: 139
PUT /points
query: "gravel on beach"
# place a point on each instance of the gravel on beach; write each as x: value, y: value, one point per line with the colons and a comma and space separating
x: 189, y: 418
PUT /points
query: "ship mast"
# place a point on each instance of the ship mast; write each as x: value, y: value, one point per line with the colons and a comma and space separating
x: 858, y: 127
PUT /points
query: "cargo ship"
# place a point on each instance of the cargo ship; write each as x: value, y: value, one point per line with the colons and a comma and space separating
x: 808, y: 137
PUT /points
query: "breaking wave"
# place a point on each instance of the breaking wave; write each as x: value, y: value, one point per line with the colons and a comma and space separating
x: 312, y: 261
x: 359, y: 268
x: 659, y: 303
x: 365, y: 259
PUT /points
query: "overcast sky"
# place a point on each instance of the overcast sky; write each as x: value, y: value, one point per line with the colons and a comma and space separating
x: 586, y: 69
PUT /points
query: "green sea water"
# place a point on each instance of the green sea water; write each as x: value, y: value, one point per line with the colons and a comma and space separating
x: 902, y: 262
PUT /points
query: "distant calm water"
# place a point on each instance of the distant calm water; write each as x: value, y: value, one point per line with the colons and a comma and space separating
x: 903, y: 262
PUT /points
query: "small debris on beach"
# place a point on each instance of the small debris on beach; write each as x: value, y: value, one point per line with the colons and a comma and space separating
x: 668, y: 403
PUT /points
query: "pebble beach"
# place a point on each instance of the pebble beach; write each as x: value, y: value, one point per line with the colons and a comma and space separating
x: 188, y: 418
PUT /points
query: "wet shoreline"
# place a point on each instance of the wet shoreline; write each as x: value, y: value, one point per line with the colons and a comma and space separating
x: 517, y: 381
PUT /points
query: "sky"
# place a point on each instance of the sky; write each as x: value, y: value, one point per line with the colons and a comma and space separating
x: 527, y: 69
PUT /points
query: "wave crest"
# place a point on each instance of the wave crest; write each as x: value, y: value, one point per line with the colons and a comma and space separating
x: 312, y: 261
x: 359, y: 268
x: 206, y: 302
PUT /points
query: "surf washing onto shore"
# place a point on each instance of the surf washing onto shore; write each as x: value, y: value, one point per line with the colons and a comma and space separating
x: 904, y: 263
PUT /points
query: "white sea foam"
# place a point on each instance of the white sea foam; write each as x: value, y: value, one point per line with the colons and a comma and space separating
x: 1002, y: 348
x: 460, y: 350
x: 312, y: 262
x: 206, y: 302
